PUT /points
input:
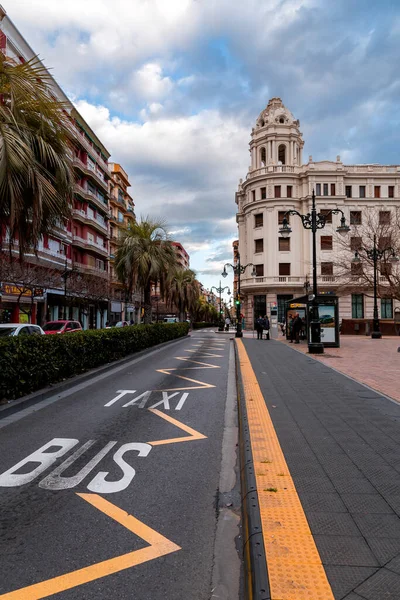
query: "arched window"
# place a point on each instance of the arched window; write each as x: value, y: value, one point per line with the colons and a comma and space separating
x: 281, y: 120
x: 263, y: 157
x: 282, y: 154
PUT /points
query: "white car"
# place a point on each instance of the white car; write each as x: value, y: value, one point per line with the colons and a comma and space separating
x: 12, y: 329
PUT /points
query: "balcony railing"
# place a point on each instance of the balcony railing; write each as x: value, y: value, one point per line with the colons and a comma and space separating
x: 77, y: 239
x: 92, y: 220
x: 92, y: 197
x: 286, y: 280
x: 90, y: 270
x: 89, y: 147
x: 90, y: 170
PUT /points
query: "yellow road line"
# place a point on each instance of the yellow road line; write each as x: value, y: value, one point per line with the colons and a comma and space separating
x: 294, y: 566
x: 194, y: 435
x: 202, y: 384
x: 159, y: 546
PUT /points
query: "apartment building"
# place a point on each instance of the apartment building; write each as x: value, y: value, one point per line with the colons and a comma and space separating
x: 79, y: 247
x: 278, y: 181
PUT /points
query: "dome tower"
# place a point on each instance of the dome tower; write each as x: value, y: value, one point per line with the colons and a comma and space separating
x: 276, y: 138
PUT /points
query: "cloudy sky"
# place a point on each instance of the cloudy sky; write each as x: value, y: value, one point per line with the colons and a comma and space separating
x: 173, y: 87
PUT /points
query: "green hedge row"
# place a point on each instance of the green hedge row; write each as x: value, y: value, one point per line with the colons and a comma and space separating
x: 31, y: 363
x: 201, y: 325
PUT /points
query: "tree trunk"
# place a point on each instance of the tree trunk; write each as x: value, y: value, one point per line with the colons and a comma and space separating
x: 147, y: 305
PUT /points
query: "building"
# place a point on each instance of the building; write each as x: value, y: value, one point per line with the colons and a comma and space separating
x: 122, y: 214
x: 277, y: 181
x: 76, y: 253
x: 182, y: 256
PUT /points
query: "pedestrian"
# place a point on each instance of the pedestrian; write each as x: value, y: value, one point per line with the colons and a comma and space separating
x: 227, y: 323
x: 291, y: 329
x: 259, y: 327
x: 131, y: 321
x: 266, y: 327
x: 283, y: 327
x: 297, y: 327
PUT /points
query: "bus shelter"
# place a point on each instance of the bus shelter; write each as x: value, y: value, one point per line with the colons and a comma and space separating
x: 328, y: 308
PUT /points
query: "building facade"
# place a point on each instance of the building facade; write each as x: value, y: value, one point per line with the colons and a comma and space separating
x: 278, y: 181
x: 76, y: 252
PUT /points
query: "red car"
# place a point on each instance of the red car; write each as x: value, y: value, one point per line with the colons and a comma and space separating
x: 53, y: 327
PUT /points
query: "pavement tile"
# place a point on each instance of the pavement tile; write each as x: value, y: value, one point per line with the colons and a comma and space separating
x: 394, y: 565
x: 320, y: 502
x: 307, y: 483
x: 353, y: 596
x: 384, y: 585
x: 345, y: 550
x: 384, y: 549
x: 331, y: 523
x: 366, y: 504
x: 343, y: 580
x: 378, y: 525
x: 354, y: 486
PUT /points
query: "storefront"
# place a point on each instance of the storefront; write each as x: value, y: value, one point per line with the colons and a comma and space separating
x: 21, y: 305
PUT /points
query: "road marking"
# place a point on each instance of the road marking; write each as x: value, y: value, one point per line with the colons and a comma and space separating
x: 194, y: 435
x: 204, y: 353
x: 202, y: 384
x: 158, y: 546
x: 293, y: 562
x: 203, y: 365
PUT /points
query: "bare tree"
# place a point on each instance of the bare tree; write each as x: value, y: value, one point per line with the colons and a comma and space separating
x: 369, y: 227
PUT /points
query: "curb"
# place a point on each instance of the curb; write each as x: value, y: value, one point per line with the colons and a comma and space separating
x: 255, y: 560
x: 14, y: 406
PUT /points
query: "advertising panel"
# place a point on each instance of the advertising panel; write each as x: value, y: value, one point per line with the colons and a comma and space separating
x: 327, y: 319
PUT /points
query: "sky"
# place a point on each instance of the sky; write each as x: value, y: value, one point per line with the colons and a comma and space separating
x: 173, y: 87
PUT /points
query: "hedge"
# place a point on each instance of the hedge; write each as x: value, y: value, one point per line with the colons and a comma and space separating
x: 31, y: 363
x: 201, y: 325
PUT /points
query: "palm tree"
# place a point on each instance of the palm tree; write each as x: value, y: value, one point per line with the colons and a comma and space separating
x: 36, y: 173
x: 145, y: 257
x: 183, y: 290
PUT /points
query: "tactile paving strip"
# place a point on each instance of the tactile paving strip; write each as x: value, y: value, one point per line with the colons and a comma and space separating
x: 294, y: 566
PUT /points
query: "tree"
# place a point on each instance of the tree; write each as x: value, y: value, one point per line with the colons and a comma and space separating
x: 36, y: 173
x: 145, y: 256
x: 385, y: 226
x: 182, y: 290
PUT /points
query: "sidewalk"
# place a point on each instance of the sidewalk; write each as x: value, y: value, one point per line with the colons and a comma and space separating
x: 373, y: 362
x: 326, y: 458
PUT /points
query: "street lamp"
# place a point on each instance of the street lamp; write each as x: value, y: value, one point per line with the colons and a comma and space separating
x: 375, y: 254
x: 238, y: 270
x: 219, y: 291
x: 314, y: 221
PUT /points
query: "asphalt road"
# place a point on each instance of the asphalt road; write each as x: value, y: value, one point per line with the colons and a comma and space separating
x: 100, y: 500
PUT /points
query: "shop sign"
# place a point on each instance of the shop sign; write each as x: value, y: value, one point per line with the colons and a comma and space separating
x: 13, y: 290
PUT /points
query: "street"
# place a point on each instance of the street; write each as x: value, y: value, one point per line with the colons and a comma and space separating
x: 113, y: 490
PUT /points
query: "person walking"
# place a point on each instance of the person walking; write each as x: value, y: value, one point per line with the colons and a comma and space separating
x: 259, y: 327
x: 227, y: 323
x: 291, y: 329
x: 266, y: 327
x: 297, y: 327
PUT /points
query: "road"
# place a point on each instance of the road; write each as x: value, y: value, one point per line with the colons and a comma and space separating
x: 113, y: 489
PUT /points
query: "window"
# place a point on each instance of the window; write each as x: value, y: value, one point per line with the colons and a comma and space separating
x: 327, y: 214
x: 326, y: 191
x: 361, y: 191
x: 263, y: 157
x: 386, y: 269
x: 259, y: 270
x: 281, y: 214
x: 326, y: 242
x: 253, y: 195
x: 263, y: 193
x: 282, y: 154
x: 348, y: 191
x: 356, y: 269
x: 259, y: 245
x: 288, y: 191
x: 391, y: 191
x: 384, y: 217
x: 355, y: 243
x: 386, y: 308
x: 333, y: 189
x: 326, y: 268
x: 384, y: 242
x: 357, y: 306
x: 377, y: 191
x: 355, y: 217
x: 284, y: 244
x: 258, y: 220
x: 284, y: 268
x: 318, y: 189
x: 277, y: 191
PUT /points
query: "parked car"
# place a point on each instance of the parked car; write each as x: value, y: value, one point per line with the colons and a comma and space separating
x: 53, y: 327
x: 117, y: 324
x: 12, y: 329
x: 171, y: 320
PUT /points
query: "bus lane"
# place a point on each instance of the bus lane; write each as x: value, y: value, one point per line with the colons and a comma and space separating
x: 117, y: 491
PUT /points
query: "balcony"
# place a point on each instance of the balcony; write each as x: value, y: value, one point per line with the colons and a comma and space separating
x: 272, y: 169
x: 286, y: 281
x: 91, y: 197
x: 90, y: 270
x: 89, y: 245
x: 81, y: 139
x: 86, y: 218
x: 87, y: 169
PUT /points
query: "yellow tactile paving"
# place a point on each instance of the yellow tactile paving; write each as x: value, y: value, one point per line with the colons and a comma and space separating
x: 294, y: 566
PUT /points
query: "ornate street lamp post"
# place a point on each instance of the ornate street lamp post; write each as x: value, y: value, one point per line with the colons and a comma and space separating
x: 375, y: 254
x: 238, y: 270
x: 314, y: 221
x: 219, y: 291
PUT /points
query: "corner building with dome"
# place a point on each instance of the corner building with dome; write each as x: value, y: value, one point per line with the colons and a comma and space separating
x: 277, y: 181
